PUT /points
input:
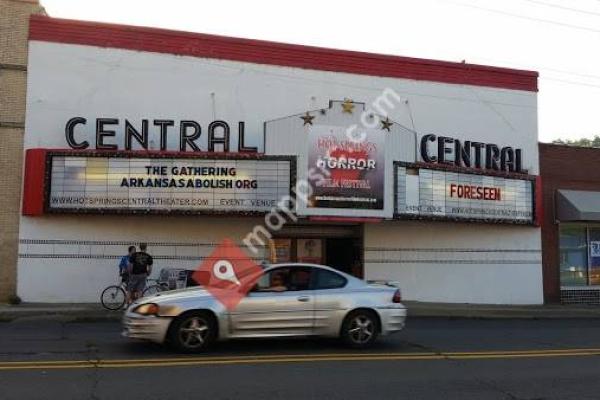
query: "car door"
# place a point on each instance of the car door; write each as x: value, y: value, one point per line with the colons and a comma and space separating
x: 275, y: 310
x: 332, y: 301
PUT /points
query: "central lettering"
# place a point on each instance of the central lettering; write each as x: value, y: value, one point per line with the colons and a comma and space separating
x: 140, y: 135
x: 450, y: 151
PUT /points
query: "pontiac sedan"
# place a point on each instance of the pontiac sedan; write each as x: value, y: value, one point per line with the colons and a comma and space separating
x: 288, y: 300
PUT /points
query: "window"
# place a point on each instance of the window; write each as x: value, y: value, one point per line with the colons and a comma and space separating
x: 329, y: 280
x: 573, y: 256
x: 594, y: 246
x: 284, y: 279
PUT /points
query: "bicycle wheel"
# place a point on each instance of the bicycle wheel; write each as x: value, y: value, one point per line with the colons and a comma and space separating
x: 151, y: 290
x: 113, y: 298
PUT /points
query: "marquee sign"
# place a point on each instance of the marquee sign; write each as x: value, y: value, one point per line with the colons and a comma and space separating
x: 444, y: 194
x: 95, y: 183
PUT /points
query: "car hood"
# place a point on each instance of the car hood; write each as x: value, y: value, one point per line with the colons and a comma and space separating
x: 195, y: 293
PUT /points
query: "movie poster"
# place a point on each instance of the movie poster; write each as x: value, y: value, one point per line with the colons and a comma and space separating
x: 594, y: 235
x: 346, y: 171
x: 310, y: 251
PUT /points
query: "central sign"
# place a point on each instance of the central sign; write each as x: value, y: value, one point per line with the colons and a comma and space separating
x: 88, y: 183
x: 471, y: 154
x: 123, y: 134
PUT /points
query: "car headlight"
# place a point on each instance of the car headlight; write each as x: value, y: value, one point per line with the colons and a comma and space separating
x: 146, y: 309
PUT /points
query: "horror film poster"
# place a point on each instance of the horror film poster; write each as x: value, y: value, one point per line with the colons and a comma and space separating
x: 346, y: 171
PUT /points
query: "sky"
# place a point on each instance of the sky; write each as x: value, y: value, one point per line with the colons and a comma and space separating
x: 558, y: 38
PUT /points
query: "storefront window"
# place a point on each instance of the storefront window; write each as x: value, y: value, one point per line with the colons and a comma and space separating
x: 594, y: 246
x: 573, y: 256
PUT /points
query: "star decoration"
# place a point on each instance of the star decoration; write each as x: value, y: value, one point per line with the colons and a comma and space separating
x: 348, y: 106
x: 307, y: 118
x: 386, y: 124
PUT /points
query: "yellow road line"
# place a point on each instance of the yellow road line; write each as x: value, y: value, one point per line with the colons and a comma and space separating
x: 540, y: 351
x: 311, y: 356
x: 293, y: 358
x: 213, y: 358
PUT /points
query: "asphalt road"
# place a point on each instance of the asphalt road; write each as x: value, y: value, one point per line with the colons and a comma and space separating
x: 431, y: 359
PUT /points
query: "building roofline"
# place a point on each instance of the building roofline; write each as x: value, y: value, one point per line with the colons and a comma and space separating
x: 43, y: 28
x: 568, y: 146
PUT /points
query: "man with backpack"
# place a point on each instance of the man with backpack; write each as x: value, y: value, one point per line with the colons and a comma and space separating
x: 140, y: 267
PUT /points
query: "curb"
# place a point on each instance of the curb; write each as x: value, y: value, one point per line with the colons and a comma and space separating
x: 482, y: 312
x: 501, y: 315
x: 88, y: 312
x: 61, y: 316
x: 92, y: 317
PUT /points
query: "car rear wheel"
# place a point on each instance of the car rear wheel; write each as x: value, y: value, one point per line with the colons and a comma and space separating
x: 360, y: 329
x: 193, y: 332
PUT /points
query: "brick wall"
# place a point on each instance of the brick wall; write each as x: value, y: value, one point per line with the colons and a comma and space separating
x: 14, y: 30
x: 562, y: 167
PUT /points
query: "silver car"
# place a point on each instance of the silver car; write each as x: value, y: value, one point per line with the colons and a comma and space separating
x: 288, y: 300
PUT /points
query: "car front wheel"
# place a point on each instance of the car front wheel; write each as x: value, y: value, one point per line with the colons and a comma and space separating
x: 192, y: 332
x: 360, y: 329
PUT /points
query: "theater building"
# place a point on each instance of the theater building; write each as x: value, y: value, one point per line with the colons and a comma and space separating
x: 419, y: 171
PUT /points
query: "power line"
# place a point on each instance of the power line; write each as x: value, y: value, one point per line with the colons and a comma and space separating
x: 577, y: 10
x: 570, y: 82
x: 533, y: 67
x: 566, y: 72
x: 509, y: 14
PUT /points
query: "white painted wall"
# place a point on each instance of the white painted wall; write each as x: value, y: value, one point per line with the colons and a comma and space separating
x: 457, y: 262
x: 65, y: 81
x: 77, y: 271
x: 70, y: 80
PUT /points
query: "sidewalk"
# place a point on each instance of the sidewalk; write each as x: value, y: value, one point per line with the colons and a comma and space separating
x: 67, y: 312
x: 89, y: 312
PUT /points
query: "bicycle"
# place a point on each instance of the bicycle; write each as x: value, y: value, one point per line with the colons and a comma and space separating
x: 114, y: 297
x: 156, y: 287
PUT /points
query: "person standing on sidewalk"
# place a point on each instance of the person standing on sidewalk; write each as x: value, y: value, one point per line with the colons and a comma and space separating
x: 140, y: 267
x: 124, y: 270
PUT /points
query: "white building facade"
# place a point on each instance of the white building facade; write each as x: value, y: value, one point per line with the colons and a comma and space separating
x: 417, y: 171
